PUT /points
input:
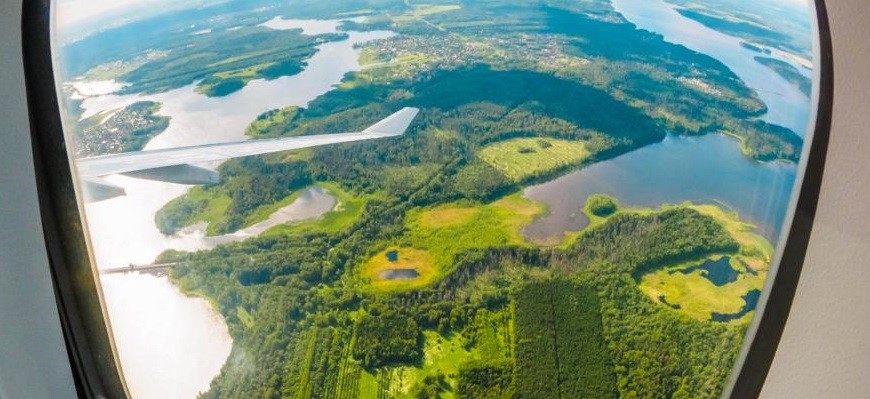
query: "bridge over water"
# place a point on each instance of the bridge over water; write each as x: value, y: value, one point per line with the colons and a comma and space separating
x: 139, y: 268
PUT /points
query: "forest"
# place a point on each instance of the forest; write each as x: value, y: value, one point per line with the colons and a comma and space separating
x: 489, y: 314
x: 789, y: 73
x: 579, y: 305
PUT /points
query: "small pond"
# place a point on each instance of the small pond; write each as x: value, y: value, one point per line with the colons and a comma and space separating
x: 719, y: 272
x: 399, y: 274
x: 751, y: 299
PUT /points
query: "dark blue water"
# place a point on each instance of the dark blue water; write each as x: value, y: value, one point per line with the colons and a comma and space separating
x: 719, y: 272
x: 393, y: 256
x: 399, y: 274
x: 663, y: 300
x: 751, y: 299
x: 706, y: 169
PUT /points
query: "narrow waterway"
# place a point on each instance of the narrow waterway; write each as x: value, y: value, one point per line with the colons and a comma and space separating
x: 171, y: 345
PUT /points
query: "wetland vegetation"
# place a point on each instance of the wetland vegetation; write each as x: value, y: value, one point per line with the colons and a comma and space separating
x: 420, y: 282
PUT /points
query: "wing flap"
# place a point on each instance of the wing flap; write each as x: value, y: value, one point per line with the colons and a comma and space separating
x: 179, y: 174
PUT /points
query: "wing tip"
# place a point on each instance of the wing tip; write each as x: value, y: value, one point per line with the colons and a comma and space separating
x: 395, y: 124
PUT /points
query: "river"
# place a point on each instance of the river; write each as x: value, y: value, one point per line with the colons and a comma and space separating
x: 708, y: 169
x: 787, y: 105
x: 171, y: 345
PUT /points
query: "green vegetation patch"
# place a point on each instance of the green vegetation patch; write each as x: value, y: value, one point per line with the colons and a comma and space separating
x: 693, y: 293
x: 690, y: 290
x: 272, y: 123
x: 486, y: 379
x: 399, y: 268
x: 317, y: 359
x: 601, y: 205
x: 251, y: 191
x: 560, y: 348
x: 385, y: 339
x: 438, y: 235
x: 448, y: 230
x: 524, y: 158
x: 437, y: 374
x: 789, y: 73
x: 200, y: 204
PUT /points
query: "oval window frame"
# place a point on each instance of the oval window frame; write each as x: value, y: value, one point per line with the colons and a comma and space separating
x: 87, y: 335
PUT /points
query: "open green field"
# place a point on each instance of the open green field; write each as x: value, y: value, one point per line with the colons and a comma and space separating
x: 421, y: 11
x: 406, y: 259
x: 695, y: 294
x: 347, y: 210
x: 445, y: 231
x: 211, y: 205
x: 441, y: 358
x: 522, y: 158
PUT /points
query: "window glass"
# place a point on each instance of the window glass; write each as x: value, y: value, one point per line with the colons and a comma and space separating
x: 514, y: 198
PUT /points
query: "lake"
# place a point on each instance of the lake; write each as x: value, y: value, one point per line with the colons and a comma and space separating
x: 787, y: 105
x: 170, y: 345
x: 313, y: 202
x: 707, y: 169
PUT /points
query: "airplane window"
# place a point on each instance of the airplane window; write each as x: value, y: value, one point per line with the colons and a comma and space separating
x: 440, y: 199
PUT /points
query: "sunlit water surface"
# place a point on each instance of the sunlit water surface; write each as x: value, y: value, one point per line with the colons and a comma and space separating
x: 708, y: 169
x: 171, y: 345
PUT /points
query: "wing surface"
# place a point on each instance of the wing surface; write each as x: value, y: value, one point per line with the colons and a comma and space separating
x: 165, y: 159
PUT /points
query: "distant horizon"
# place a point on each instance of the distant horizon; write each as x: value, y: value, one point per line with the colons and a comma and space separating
x: 79, y: 18
x: 76, y: 15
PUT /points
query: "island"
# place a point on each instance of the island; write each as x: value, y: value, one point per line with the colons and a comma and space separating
x: 421, y: 282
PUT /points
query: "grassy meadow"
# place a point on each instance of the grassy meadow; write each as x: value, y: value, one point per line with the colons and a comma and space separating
x: 522, y: 158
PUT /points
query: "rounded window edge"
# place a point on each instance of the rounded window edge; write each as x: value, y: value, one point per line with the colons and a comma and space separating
x: 765, y: 331
x: 88, y: 337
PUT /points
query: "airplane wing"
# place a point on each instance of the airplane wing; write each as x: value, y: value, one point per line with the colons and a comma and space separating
x: 175, y: 165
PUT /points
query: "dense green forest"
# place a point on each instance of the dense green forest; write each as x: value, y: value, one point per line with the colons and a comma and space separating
x: 560, y: 348
x: 284, y: 303
x: 488, y: 314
